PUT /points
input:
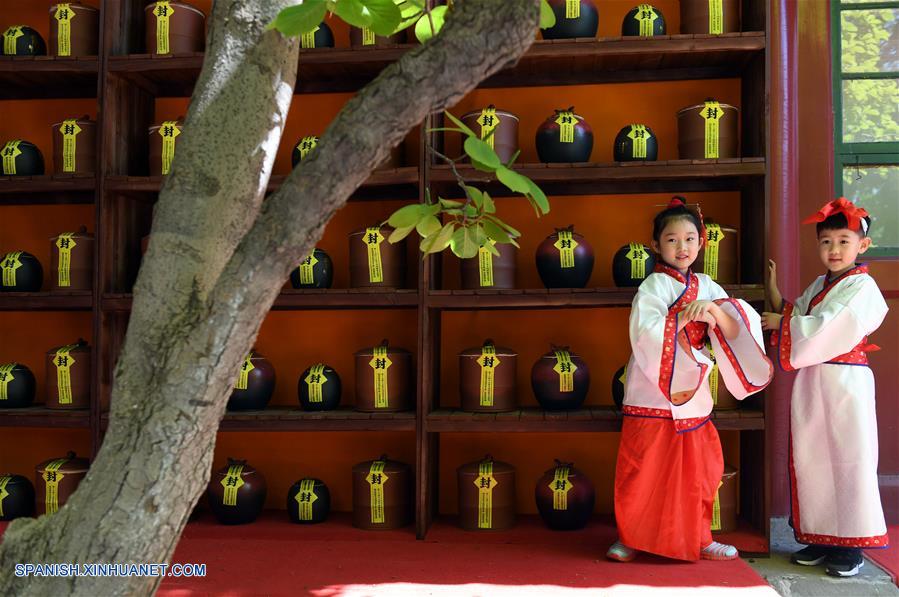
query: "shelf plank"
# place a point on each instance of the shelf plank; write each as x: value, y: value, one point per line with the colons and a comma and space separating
x: 50, y: 189
x: 313, y: 299
x: 46, y: 301
x: 39, y: 416
x: 547, y: 62
x: 557, y: 298
x: 48, y: 77
x: 587, y: 419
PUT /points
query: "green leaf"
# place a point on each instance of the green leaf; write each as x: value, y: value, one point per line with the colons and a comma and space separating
x: 427, y: 226
x: 547, y: 16
x: 438, y: 241
x: 470, y: 210
x: 496, y: 232
x: 353, y: 12
x: 513, y: 158
x: 407, y: 215
x: 489, y: 206
x: 479, y: 166
x: 515, y: 181
x: 400, y: 233
x: 477, y: 197
x: 538, y: 196
x: 300, y: 19
x: 482, y: 153
x: 512, y: 231
x: 464, y: 243
x: 385, y: 15
x: 449, y: 203
x: 423, y: 30
x: 432, y: 209
x: 460, y: 124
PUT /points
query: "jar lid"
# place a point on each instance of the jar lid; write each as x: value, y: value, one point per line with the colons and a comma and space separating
x: 499, y: 467
x: 390, y: 466
x: 247, y: 469
x: 74, y: 6
x: 498, y: 111
x: 152, y: 5
x: 72, y: 464
x: 477, y: 351
x: 385, y: 231
x: 179, y: 122
x: 368, y: 352
x: 702, y: 105
x: 81, y: 120
x: 80, y: 346
x: 552, y: 353
x: 81, y: 233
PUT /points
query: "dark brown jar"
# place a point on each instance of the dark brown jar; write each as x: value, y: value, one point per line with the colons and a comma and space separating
x: 487, y: 378
x: 20, y: 40
x: 560, y: 379
x: 17, y: 385
x: 644, y: 20
x: 632, y: 264
x: 316, y: 271
x: 163, y: 142
x: 21, y: 272
x: 255, y: 384
x: 319, y: 388
x: 21, y: 158
x: 382, y: 495
x: 174, y: 28
x: 719, y: 256
x: 486, y: 495
x: 72, y: 261
x: 564, y: 137
x: 55, y: 480
x: 700, y: 138
x: 321, y: 37
x: 68, y: 376
x: 573, y: 19
x: 375, y: 262
x: 487, y: 271
x: 505, y: 130
x: 75, y: 146
x: 236, y: 493
x: 565, y: 497
x: 384, y: 376
x: 619, y: 381
x: 724, y: 511
x: 709, y: 17
x: 16, y: 497
x: 565, y: 259
x: 366, y: 38
x: 74, y: 30
x: 636, y: 143
x: 308, y: 501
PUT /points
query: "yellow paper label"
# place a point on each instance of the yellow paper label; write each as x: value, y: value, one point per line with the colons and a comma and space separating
x: 315, y: 380
x: 566, y: 246
x: 306, y: 145
x: 6, y: 376
x: 63, y: 362
x: 65, y: 243
x: 52, y: 477
x: 368, y: 37
x: 305, y: 498
x: 10, y: 38
x: 713, y: 375
x: 373, y: 239
x: 380, y: 363
x: 560, y: 486
x: 716, y: 17
x: 565, y: 369
x: 232, y: 482
x: 3, y: 492
x: 485, y: 265
x: 623, y: 378
x: 488, y: 362
x: 713, y: 237
x: 646, y: 16
x: 169, y: 131
x: 485, y: 484
x: 639, y: 136
x: 163, y: 12
x: 716, y: 510
x: 10, y: 152
x: 376, y: 480
x: 64, y: 15
x: 711, y: 113
x: 243, y: 380
x: 307, y: 269
x: 572, y: 9
x: 566, y: 122
x: 10, y: 264
x: 69, y: 130
x: 638, y: 256
x: 488, y: 121
x: 307, y: 40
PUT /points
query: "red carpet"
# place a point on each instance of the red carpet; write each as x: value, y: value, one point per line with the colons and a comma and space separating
x: 888, y: 558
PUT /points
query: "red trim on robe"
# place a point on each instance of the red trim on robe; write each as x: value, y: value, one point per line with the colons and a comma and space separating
x: 857, y: 356
x: 732, y: 358
x: 669, y: 340
x: 784, y: 340
x: 680, y: 425
x: 828, y: 285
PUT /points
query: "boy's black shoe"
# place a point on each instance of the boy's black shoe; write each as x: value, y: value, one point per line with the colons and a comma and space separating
x: 844, y: 562
x: 811, y: 555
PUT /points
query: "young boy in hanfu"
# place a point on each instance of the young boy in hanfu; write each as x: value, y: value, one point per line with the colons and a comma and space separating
x: 833, y: 447
x: 669, y: 457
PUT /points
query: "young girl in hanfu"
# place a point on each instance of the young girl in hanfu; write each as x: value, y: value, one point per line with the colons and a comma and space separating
x: 833, y: 446
x: 669, y: 458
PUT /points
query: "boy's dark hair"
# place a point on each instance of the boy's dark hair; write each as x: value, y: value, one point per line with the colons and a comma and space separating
x: 676, y: 210
x: 838, y: 221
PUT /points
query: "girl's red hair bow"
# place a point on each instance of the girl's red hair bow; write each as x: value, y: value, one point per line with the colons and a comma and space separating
x: 854, y: 215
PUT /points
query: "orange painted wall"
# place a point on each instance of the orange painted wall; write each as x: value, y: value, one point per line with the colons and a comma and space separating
x: 34, y: 13
x: 23, y: 448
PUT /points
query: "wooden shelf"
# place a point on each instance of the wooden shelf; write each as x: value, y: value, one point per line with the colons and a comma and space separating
x: 593, y: 178
x: 46, y: 301
x: 556, y: 298
x: 38, y: 416
x: 51, y: 189
x: 47, y: 77
x: 314, y: 299
x: 592, y: 418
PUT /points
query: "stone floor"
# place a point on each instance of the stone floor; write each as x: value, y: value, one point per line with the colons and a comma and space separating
x: 799, y: 581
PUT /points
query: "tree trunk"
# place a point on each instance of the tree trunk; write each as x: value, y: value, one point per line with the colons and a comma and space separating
x: 217, y: 260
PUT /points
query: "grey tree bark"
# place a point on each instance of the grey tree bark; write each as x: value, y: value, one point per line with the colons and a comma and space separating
x: 217, y: 260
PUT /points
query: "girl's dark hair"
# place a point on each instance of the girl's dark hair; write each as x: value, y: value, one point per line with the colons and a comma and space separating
x: 674, y: 212
x: 839, y: 221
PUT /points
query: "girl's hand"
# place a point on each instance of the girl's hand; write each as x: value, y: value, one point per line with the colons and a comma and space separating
x: 709, y: 319
x: 698, y: 311
x: 771, y: 321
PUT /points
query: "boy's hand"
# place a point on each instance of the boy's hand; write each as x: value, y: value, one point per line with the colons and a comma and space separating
x: 772, y: 273
x: 771, y: 321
